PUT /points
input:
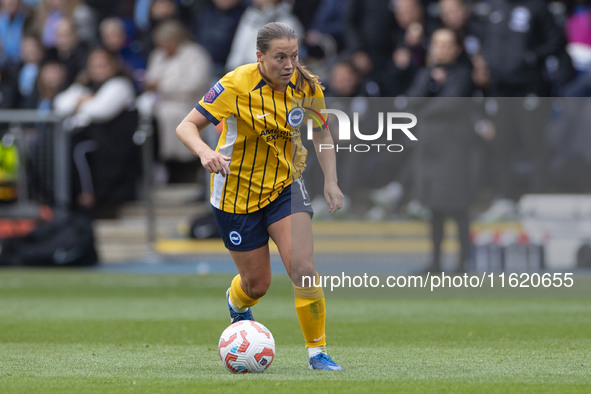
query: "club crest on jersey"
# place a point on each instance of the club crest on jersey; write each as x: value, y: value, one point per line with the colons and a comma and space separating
x: 213, y: 93
x: 295, y: 117
x: 235, y: 238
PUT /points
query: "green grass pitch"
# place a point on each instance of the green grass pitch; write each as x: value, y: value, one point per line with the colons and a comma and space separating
x: 93, y: 332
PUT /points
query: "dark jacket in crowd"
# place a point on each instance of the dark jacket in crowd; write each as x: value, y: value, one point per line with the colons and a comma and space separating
x: 518, y: 37
x: 74, y: 61
x: 215, y: 29
x: 115, y: 164
x: 458, y: 82
x: 8, y: 89
x: 369, y: 26
x: 445, y: 155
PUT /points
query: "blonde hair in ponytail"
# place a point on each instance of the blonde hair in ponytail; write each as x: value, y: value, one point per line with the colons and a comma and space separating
x: 276, y: 30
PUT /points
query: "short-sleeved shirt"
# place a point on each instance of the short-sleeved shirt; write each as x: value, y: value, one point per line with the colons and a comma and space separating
x: 261, y: 134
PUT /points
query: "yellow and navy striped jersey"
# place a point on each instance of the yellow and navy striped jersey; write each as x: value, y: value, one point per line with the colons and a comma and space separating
x: 261, y: 135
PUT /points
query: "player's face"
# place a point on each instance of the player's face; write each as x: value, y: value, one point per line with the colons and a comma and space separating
x: 279, y: 62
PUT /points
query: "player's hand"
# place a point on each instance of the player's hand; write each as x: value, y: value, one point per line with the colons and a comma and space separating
x: 215, y: 162
x: 334, y: 196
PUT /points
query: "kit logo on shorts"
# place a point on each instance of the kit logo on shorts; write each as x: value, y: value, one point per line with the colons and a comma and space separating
x: 235, y: 238
x: 213, y: 93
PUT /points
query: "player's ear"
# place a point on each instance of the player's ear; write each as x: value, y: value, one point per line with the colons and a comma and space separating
x: 259, y: 55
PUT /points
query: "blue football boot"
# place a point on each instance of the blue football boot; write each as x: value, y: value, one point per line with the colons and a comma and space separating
x: 324, y: 362
x: 235, y: 316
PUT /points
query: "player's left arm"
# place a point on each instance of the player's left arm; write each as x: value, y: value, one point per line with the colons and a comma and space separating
x: 328, y: 163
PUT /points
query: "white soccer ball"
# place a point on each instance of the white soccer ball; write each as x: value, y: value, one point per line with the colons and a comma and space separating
x: 246, y: 346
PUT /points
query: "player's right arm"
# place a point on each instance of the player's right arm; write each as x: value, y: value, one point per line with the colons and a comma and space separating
x: 188, y: 132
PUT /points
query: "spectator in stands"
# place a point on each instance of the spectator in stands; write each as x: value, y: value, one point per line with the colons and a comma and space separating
x: 344, y: 83
x: 102, y: 108
x: 480, y: 76
x: 186, y: 11
x: 86, y: 23
x: 115, y: 39
x: 103, y: 8
x: 578, y: 33
x: 445, y: 75
x: 518, y: 38
x: 443, y: 177
x: 32, y: 54
x: 15, y: 19
x: 408, y: 46
x: 369, y: 27
x: 141, y: 15
x: 327, y: 27
x: 51, y: 81
x: 50, y: 12
x: 305, y: 10
x: 162, y: 10
x: 159, y: 11
x: 456, y: 15
x: 215, y: 27
x: 176, y: 90
x: 569, y: 146
x: 257, y: 15
x: 8, y: 88
x: 345, y: 80
x: 346, y: 91
x: 40, y: 139
x: 68, y: 50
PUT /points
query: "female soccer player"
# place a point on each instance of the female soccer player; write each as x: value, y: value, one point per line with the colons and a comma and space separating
x: 258, y: 161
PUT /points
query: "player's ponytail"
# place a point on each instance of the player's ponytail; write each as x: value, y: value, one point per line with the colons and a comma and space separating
x: 276, y: 30
x: 306, y: 77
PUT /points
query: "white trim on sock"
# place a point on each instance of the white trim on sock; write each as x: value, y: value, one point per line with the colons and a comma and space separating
x: 235, y: 308
x: 312, y: 351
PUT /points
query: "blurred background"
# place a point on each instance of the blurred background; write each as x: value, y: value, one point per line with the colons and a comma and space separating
x: 91, y: 91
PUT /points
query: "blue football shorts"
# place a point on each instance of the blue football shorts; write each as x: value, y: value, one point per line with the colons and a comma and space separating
x: 244, y: 232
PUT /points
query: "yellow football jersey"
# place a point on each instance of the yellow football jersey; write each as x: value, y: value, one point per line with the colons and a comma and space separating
x: 261, y: 134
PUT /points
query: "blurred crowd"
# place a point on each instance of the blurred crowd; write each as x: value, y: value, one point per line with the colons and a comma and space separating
x: 95, y: 60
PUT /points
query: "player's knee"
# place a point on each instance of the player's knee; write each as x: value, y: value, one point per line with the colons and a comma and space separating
x: 258, y: 291
x: 298, y: 271
x: 258, y: 288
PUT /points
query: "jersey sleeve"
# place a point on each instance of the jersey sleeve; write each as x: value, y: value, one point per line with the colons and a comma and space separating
x: 220, y: 101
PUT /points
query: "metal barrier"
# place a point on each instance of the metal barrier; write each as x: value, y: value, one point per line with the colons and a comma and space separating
x: 144, y: 137
x: 43, y: 138
x: 37, y: 132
